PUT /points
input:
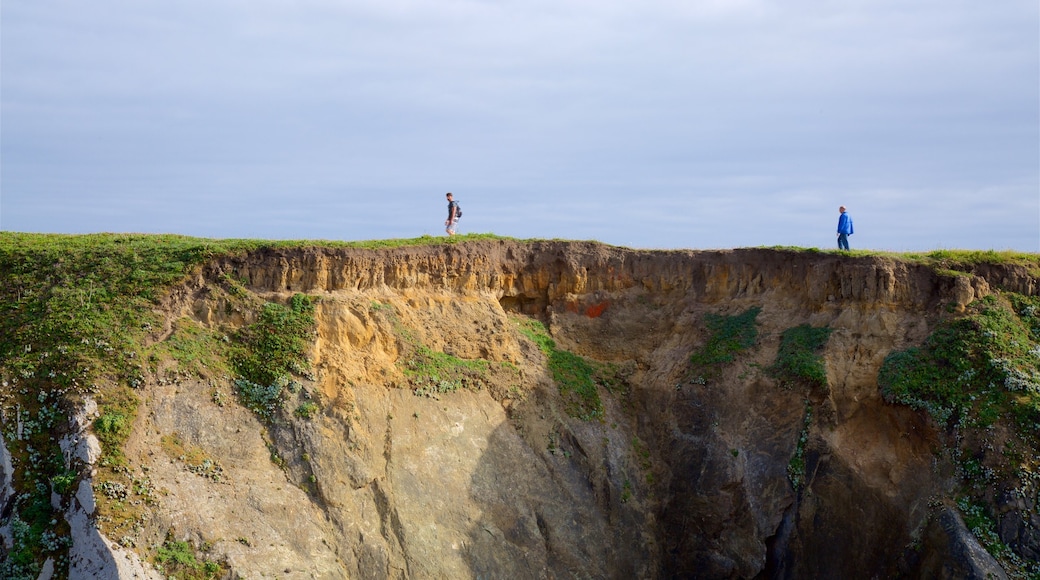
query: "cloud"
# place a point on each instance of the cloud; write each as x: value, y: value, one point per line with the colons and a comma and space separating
x: 753, y: 113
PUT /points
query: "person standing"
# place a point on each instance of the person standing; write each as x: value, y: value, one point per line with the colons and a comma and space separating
x: 844, y: 229
x: 454, y: 213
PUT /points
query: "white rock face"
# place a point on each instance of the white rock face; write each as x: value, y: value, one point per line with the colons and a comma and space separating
x: 85, y: 497
x: 6, y: 473
x: 94, y: 557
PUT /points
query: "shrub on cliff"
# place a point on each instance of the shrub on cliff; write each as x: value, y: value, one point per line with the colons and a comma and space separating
x: 974, y: 369
x: 978, y: 376
x: 272, y: 350
x: 727, y: 336
x: 798, y: 361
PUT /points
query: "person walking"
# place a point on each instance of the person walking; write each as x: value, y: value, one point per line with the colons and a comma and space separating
x: 454, y: 213
x: 844, y: 229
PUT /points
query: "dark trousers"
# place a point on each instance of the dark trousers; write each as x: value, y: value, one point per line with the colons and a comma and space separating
x: 843, y: 241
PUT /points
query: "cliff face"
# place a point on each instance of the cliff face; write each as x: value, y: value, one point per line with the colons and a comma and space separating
x: 679, y: 476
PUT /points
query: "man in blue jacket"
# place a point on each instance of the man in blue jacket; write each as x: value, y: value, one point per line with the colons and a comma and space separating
x: 844, y: 229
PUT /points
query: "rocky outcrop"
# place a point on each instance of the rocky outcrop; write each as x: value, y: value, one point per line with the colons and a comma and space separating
x: 679, y: 478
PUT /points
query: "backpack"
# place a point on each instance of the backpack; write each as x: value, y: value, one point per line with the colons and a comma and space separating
x: 458, y: 209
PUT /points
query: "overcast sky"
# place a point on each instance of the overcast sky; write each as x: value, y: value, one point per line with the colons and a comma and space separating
x: 651, y: 124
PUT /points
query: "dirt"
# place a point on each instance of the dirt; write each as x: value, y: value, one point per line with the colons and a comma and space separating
x: 678, y: 478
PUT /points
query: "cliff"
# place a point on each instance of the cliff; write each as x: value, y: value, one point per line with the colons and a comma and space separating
x: 433, y: 431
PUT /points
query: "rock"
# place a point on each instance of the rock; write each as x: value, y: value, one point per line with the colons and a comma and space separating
x: 499, y: 480
x: 951, y: 551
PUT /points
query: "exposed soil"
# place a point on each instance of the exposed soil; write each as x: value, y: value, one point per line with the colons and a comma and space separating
x: 680, y: 478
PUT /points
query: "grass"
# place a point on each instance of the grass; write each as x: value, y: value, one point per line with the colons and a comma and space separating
x: 978, y: 375
x: 275, y: 346
x: 196, y: 349
x: 270, y: 352
x: 943, y: 262
x: 430, y: 372
x: 728, y: 335
x: 112, y: 427
x: 306, y: 410
x: 974, y: 369
x: 576, y: 377
x: 796, y: 465
x: 178, y: 560
x: 798, y: 361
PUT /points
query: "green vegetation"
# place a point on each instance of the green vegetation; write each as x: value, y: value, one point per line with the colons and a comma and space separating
x: 951, y: 260
x: 430, y: 372
x: 306, y: 410
x: 272, y: 350
x: 575, y: 376
x: 178, y: 561
x: 197, y: 350
x: 977, y: 376
x: 728, y: 336
x: 959, y: 260
x: 798, y: 362
x: 76, y: 312
x: 112, y: 426
x: 796, y: 465
x: 974, y: 369
x: 275, y: 346
x: 982, y: 525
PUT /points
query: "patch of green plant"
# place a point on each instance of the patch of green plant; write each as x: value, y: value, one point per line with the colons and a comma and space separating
x: 179, y: 560
x: 234, y: 287
x: 270, y: 351
x: 576, y: 377
x: 34, y: 535
x: 973, y: 369
x: 276, y: 344
x: 798, y: 361
x: 306, y: 410
x: 113, y: 424
x: 976, y: 375
x: 985, y: 530
x: 796, y: 465
x: 63, y: 482
x: 1028, y: 310
x: 536, y: 332
x: 978, y: 521
x: 264, y: 400
x: 430, y: 372
x: 429, y: 366
x: 196, y: 349
x: 573, y: 375
x: 727, y: 336
x: 375, y: 306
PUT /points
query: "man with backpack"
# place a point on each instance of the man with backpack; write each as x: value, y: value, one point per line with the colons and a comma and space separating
x: 454, y: 213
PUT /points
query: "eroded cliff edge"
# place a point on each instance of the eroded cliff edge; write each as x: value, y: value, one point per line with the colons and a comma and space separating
x: 677, y: 476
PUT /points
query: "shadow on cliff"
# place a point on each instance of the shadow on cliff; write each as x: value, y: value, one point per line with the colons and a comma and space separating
x: 720, y: 503
x: 555, y: 514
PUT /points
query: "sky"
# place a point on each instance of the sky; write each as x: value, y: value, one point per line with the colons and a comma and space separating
x: 653, y: 124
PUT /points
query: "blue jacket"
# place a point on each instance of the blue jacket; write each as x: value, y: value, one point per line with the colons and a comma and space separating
x: 845, y: 224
